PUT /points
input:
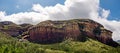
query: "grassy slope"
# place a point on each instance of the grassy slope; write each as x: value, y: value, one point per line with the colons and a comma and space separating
x: 12, y: 45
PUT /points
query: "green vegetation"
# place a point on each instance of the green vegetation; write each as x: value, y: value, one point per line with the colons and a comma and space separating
x: 9, y: 44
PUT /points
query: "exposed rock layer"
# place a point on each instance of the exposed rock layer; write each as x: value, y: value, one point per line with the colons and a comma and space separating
x: 77, y: 29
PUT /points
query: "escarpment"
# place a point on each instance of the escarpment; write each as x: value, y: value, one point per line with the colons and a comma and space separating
x: 77, y: 29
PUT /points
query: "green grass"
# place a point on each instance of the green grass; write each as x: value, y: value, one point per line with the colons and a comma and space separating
x: 9, y: 44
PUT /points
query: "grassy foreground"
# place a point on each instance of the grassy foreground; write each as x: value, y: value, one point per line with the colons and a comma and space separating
x: 12, y: 45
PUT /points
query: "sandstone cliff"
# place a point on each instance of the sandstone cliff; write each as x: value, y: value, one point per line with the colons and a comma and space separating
x: 77, y: 29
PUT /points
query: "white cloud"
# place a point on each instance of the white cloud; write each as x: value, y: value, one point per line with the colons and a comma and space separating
x: 105, y: 13
x: 72, y: 9
x: 26, y: 17
x: 38, y: 8
x: 2, y: 14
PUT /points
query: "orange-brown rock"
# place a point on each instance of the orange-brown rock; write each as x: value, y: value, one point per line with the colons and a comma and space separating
x: 77, y: 29
x: 46, y: 34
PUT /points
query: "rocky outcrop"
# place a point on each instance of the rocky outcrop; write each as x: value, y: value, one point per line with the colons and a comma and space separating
x: 77, y: 29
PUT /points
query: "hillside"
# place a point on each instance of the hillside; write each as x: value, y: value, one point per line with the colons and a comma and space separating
x: 13, y: 29
x: 12, y: 45
x: 10, y: 28
x: 67, y: 36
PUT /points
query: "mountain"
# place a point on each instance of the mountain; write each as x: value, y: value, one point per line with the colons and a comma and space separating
x: 49, y: 31
x: 10, y: 28
x: 13, y: 29
x: 67, y: 36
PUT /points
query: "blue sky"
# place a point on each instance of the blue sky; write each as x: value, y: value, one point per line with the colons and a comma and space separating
x: 16, y: 6
x: 113, y: 6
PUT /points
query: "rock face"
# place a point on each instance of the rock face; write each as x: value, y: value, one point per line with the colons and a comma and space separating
x: 46, y: 34
x: 77, y: 29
